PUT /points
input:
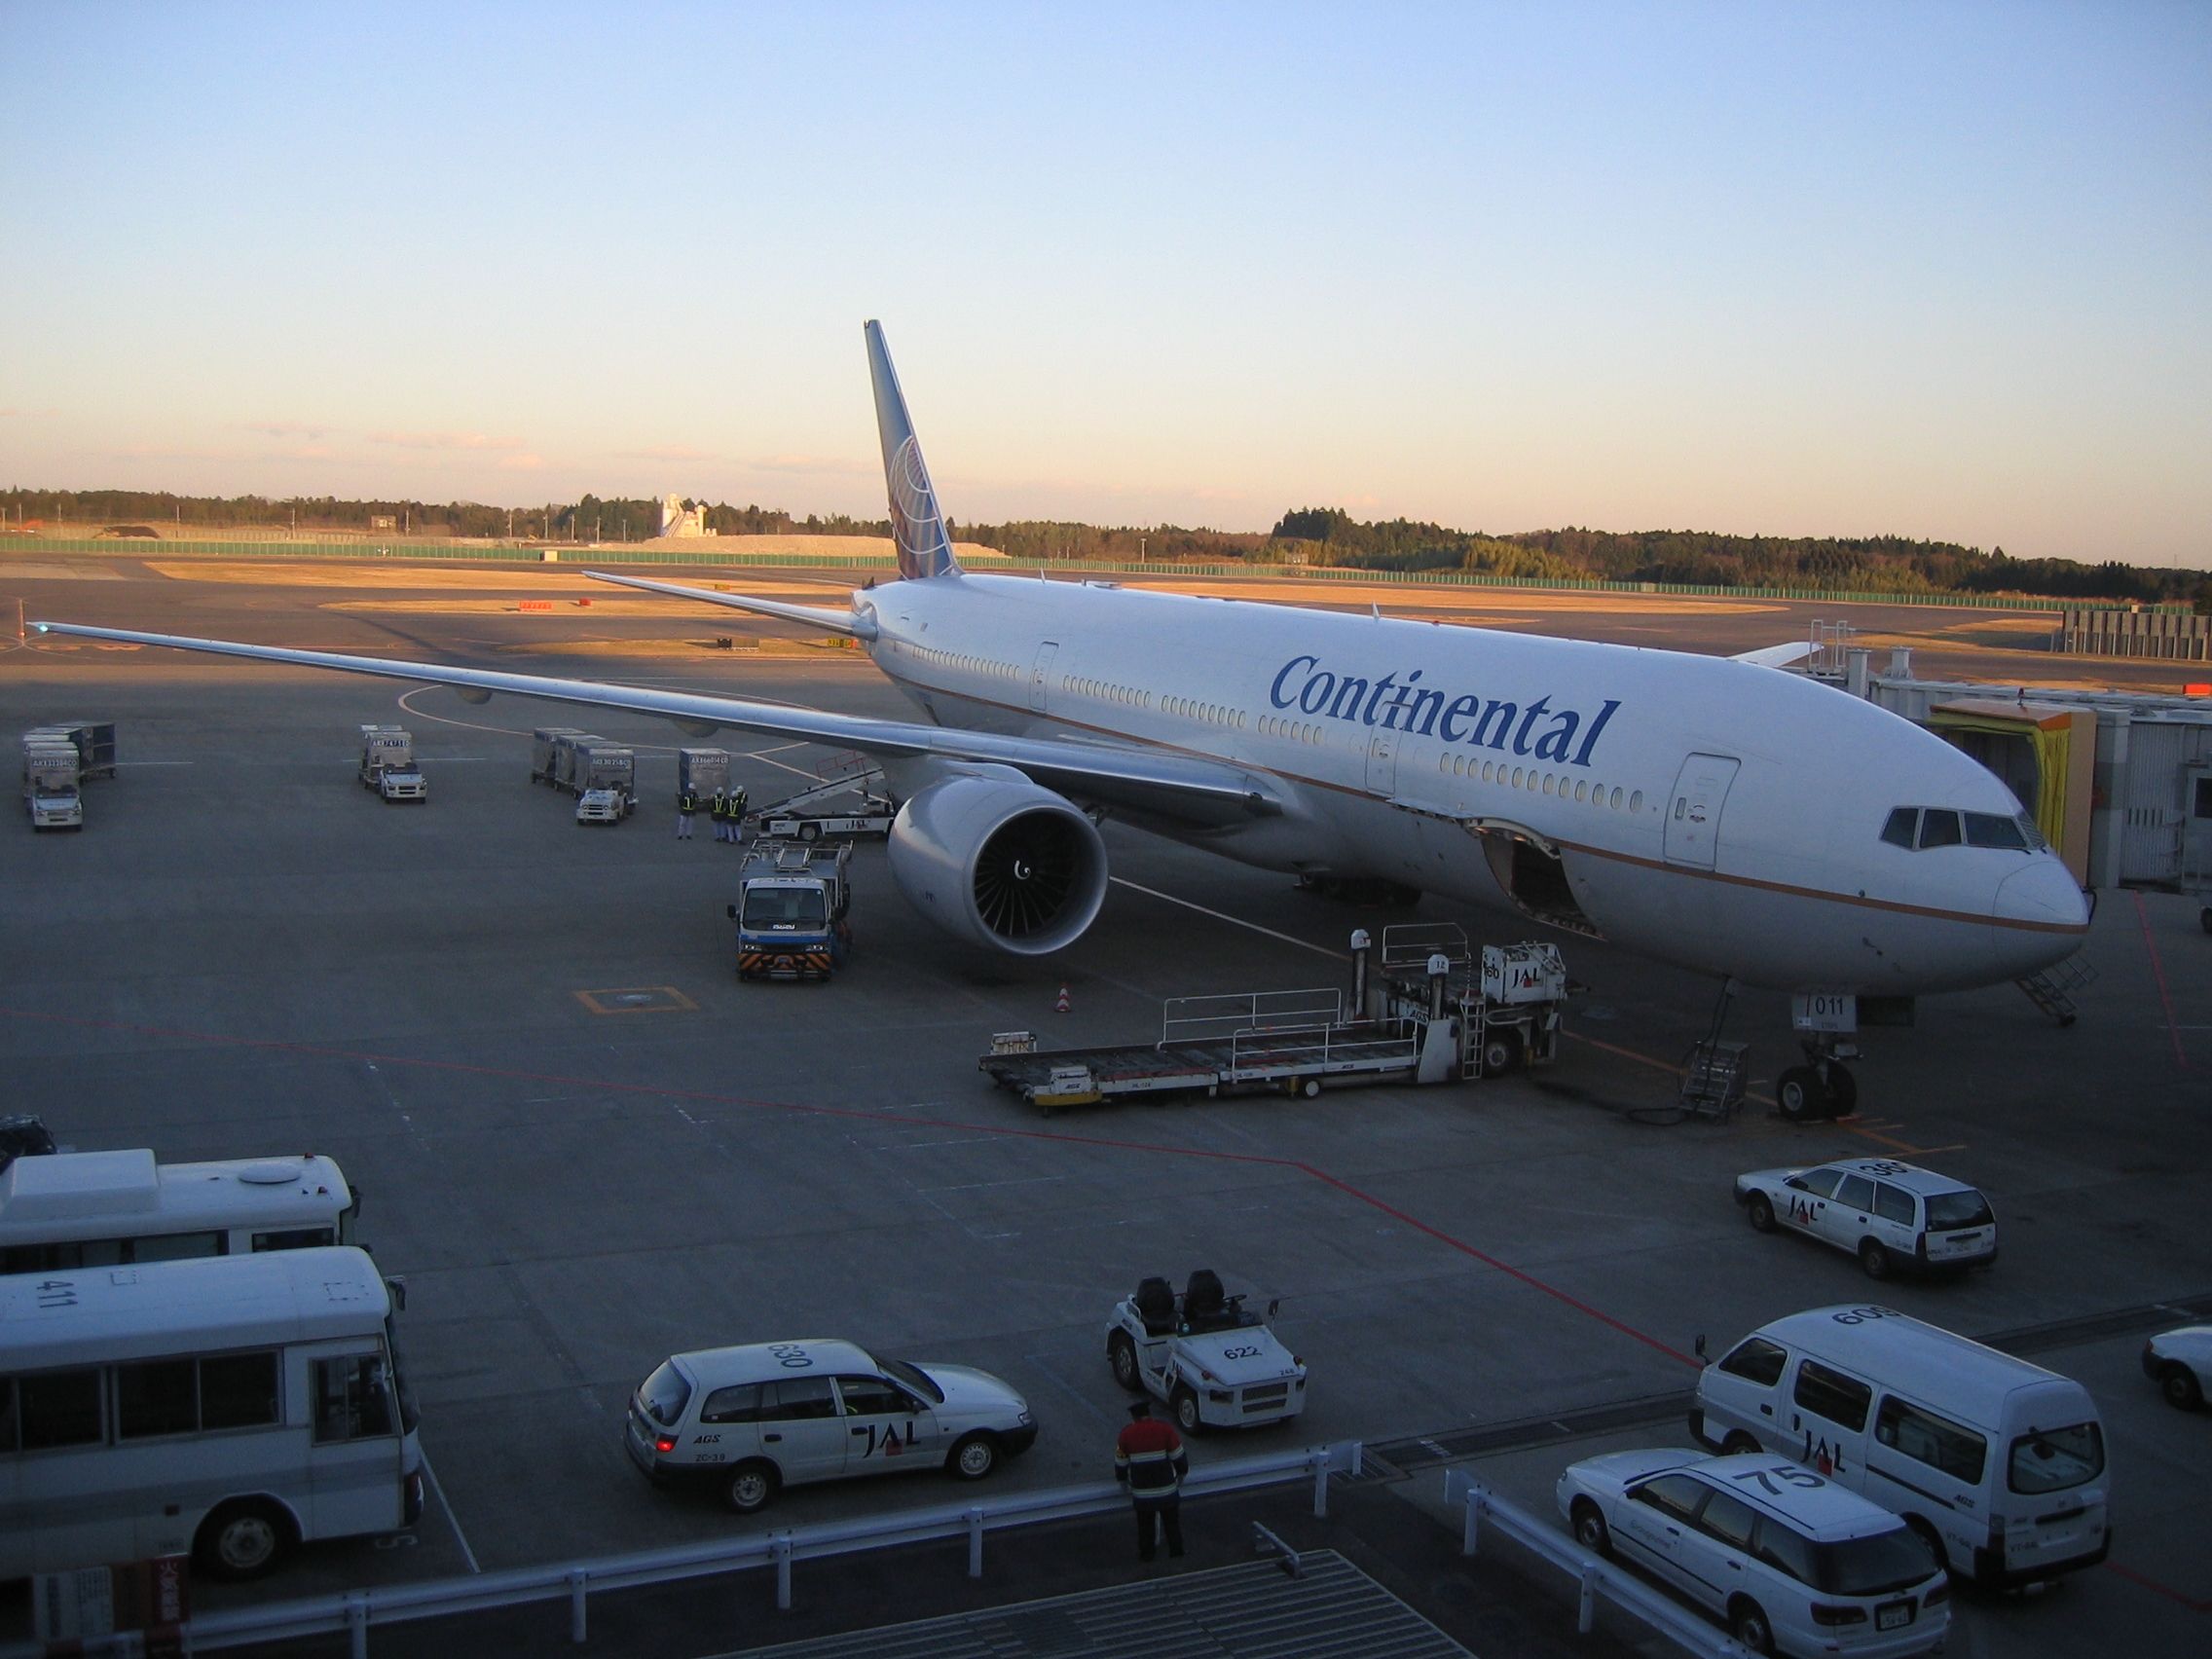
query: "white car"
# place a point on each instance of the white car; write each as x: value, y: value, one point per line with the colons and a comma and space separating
x: 1886, y: 1213
x: 2180, y: 1362
x: 750, y: 1420
x: 1786, y: 1560
x: 1216, y: 1365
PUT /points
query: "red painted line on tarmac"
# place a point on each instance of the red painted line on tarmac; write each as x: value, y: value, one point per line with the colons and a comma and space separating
x: 2158, y: 971
x: 868, y: 1115
x: 2155, y: 1588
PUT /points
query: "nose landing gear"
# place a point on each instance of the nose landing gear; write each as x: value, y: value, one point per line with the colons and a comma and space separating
x: 1824, y: 1086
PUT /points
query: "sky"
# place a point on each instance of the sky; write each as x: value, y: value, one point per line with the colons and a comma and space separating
x: 1932, y: 270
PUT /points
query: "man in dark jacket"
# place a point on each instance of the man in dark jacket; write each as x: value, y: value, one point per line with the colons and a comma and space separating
x: 1149, y: 1460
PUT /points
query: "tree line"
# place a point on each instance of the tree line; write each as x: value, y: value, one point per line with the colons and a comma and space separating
x: 1304, y: 535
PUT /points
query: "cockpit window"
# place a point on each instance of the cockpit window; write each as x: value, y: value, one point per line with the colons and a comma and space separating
x: 1939, y: 828
x: 1987, y: 830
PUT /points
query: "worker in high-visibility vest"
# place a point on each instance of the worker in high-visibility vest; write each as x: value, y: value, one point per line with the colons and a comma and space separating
x: 687, y: 803
x: 1149, y: 1460
x: 715, y: 811
x: 738, y: 800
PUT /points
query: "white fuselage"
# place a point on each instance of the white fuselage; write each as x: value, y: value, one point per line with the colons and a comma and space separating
x: 1711, y: 813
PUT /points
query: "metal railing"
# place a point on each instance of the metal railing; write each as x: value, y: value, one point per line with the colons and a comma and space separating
x: 1367, y: 1048
x: 1687, y: 1629
x: 355, y: 1613
x: 1214, y: 1019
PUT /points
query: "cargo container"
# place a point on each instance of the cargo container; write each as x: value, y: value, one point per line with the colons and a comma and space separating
x: 568, y: 759
x: 702, y: 771
x: 607, y: 780
x: 542, y: 742
x: 93, y: 740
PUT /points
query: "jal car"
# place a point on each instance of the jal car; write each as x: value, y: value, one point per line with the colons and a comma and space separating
x: 748, y: 1421
x: 1888, y: 1214
x: 1786, y: 1560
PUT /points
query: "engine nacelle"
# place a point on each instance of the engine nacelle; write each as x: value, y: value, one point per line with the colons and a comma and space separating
x: 1000, y: 860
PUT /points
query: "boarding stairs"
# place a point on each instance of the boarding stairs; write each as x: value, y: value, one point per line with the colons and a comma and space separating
x: 2051, y: 989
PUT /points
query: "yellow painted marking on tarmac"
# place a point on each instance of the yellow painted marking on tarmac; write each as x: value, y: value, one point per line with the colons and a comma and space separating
x: 638, y: 999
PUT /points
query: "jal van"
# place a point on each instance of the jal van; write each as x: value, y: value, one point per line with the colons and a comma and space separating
x: 1998, y: 1463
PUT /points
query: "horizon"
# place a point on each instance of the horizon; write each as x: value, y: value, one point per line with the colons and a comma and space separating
x: 1941, y: 276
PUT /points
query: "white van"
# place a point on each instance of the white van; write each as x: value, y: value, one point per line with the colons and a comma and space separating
x: 1998, y: 1462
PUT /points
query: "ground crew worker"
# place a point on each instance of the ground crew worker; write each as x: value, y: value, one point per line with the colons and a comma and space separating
x: 737, y: 803
x: 687, y: 803
x: 715, y: 812
x: 1149, y: 1460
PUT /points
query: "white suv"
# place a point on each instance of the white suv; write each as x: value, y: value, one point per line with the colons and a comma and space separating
x: 1788, y: 1561
x: 749, y: 1420
x: 1886, y: 1213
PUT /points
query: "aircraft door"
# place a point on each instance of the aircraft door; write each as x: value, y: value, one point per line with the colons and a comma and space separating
x: 1693, y: 816
x: 1382, y: 764
x: 1040, y: 677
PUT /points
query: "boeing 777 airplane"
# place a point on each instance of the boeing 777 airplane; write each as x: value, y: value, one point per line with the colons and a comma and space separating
x: 1713, y: 813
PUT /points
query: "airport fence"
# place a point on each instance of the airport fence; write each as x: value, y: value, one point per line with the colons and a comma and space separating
x: 1595, y: 1576
x: 357, y: 1613
x: 708, y: 556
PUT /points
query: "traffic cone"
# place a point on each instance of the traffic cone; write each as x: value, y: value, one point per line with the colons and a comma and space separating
x: 1060, y: 1003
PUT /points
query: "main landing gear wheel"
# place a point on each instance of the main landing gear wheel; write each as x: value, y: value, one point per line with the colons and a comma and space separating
x: 1799, y: 1093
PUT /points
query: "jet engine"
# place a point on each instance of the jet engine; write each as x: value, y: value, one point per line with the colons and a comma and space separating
x: 997, y: 859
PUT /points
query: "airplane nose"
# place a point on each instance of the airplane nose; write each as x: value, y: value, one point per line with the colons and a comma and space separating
x: 2044, y: 896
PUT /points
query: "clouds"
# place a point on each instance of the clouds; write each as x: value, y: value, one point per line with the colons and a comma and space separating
x: 444, y: 441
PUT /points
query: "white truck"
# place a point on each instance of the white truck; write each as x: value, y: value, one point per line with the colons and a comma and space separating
x: 51, y: 788
x: 387, y: 764
x: 1214, y: 1364
x: 790, y: 911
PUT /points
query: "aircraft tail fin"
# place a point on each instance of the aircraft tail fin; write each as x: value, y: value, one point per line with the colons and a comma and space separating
x: 917, y: 523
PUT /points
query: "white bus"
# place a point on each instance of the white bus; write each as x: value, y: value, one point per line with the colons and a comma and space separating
x: 98, y: 1209
x: 231, y: 1407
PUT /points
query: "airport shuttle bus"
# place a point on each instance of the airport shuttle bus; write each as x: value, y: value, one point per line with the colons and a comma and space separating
x: 231, y: 1407
x: 98, y: 1209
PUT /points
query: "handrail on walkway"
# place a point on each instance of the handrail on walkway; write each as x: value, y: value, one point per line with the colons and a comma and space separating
x: 356, y: 1612
x: 1680, y: 1625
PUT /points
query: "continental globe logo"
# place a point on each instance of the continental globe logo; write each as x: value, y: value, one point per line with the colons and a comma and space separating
x: 915, y: 520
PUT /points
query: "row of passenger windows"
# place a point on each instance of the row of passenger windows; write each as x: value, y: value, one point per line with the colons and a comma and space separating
x: 1923, y: 826
x: 153, y: 1397
x: 1298, y: 731
x: 1213, y: 714
x: 967, y: 664
x: 1109, y: 692
x: 1529, y: 777
x: 2040, y: 1461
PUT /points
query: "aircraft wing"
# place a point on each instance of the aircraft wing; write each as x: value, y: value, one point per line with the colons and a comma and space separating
x: 1190, y: 789
x: 1777, y: 656
x: 814, y: 615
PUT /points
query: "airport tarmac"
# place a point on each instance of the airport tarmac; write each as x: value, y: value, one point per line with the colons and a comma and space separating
x: 245, y: 952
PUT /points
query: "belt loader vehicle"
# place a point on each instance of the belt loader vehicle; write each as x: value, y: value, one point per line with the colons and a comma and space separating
x: 387, y: 764
x: 1215, y: 1365
x: 790, y: 911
